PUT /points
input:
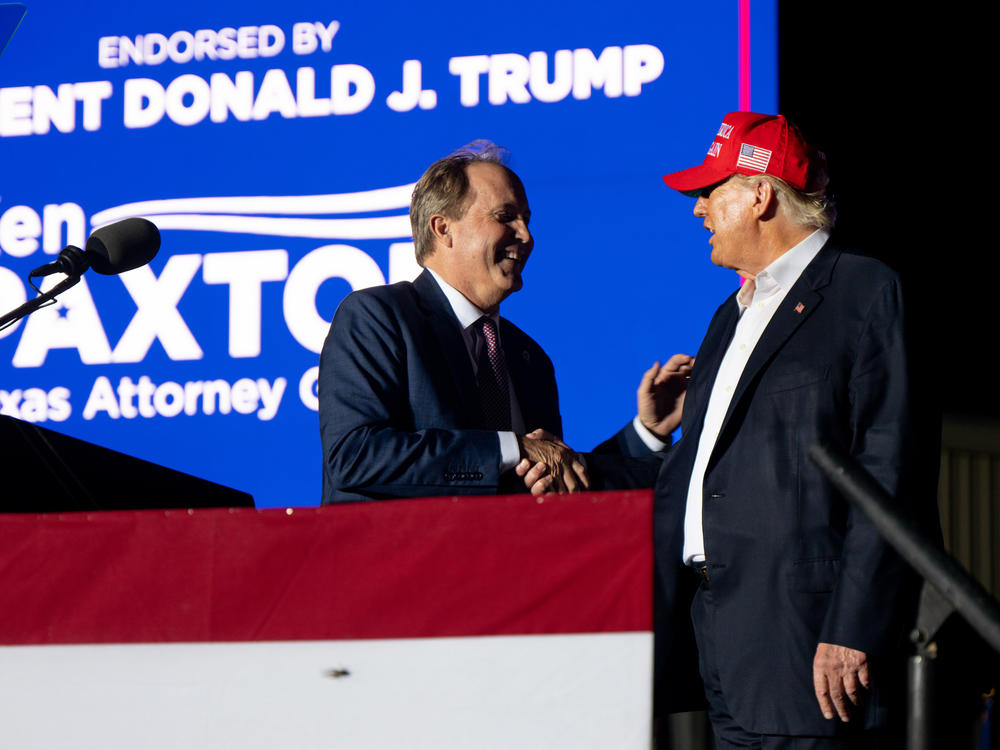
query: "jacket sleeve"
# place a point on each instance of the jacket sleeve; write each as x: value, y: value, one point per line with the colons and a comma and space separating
x: 623, y: 461
x: 872, y: 577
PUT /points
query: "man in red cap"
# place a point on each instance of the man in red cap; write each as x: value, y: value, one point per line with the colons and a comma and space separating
x: 797, y: 599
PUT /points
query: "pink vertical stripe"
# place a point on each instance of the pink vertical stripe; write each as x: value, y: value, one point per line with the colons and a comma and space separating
x: 744, y: 53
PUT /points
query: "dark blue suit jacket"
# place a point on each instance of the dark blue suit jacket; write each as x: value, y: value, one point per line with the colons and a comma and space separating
x: 398, y: 402
x: 792, y: 563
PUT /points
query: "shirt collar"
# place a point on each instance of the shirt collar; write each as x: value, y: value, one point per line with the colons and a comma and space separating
x: 466, y: 312
x: 784, y: 270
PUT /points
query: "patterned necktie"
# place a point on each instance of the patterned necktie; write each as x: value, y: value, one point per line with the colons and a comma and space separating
x: 492, y: 375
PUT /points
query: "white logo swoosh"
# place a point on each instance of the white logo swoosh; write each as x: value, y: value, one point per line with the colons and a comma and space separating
x: 247, y: 214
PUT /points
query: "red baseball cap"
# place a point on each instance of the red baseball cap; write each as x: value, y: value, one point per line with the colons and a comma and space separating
x: 749, y: 143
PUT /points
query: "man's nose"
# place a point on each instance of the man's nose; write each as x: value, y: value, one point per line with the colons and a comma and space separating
x: 699, y: 206
x: 523, y: 233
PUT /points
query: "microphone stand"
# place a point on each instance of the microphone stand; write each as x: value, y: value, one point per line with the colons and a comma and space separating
x: 112, y: 249
x: 72, y: 261
x: 33, y: 304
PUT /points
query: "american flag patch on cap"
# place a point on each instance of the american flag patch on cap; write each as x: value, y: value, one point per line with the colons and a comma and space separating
x: 753, y: 157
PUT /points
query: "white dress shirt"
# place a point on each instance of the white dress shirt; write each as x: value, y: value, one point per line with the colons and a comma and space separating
x: 757, y: 300
x: 467, y: 314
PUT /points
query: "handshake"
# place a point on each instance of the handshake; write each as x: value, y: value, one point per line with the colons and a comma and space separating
x: 549, y: 465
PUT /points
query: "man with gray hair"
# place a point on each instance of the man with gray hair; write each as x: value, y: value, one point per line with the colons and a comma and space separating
x: 795, y: 600
x: 423, y: 389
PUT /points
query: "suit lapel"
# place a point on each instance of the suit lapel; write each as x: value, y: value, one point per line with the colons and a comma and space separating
x: 800, y: 302
x: 710, y: 353
x: 455, y: 357
x: 521, y: 370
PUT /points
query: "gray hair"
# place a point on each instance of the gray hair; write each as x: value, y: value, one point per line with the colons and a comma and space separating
x: 812, y: 209
x: 444, y: 189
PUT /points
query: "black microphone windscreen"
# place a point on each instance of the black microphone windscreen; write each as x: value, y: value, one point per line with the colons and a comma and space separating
x: 122, y: 246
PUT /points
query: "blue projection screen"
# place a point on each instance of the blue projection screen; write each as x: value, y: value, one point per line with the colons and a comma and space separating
x: 276, y: 145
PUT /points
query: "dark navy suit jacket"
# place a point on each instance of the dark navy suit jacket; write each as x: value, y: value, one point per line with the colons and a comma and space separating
x: 398, y: 402
x: 792, y: 563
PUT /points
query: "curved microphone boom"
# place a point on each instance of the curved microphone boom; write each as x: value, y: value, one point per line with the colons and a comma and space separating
x: 110, y: 250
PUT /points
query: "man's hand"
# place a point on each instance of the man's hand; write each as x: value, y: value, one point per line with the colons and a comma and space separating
x: 549, y: 465
x: 839, y: 675
x: 660, y: 397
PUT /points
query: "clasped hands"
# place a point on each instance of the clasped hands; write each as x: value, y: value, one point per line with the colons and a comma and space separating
x: 549, y: 465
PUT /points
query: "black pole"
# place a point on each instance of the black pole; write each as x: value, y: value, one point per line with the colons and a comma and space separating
x: 920, y: 725
x: 939, y: 568
x: 33, y: 304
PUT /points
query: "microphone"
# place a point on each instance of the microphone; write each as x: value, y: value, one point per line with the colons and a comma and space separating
x: 110, y: 250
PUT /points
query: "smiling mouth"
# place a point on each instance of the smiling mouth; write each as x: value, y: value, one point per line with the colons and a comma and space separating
x: 514, y: 255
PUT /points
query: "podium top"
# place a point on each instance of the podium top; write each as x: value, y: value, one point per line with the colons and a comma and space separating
x: 47, y: 471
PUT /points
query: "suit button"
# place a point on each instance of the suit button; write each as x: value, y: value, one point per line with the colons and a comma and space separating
x: 717, y: 495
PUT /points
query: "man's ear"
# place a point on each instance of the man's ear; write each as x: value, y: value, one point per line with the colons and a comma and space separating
x: 441, y: 229
x: 765, y: 200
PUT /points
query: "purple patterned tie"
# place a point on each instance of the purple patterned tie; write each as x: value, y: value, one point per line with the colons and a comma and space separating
x: 492, y: 375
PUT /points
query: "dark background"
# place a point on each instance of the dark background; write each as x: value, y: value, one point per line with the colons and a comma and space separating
x: 897, y: 98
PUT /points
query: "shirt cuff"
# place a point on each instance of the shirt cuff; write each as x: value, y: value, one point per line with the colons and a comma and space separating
x: 650, y: 440
x: 510, y: 453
